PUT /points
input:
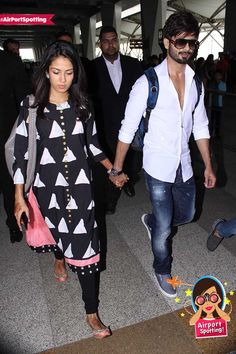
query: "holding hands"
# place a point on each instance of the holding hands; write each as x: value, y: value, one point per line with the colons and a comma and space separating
x: 118, y: 178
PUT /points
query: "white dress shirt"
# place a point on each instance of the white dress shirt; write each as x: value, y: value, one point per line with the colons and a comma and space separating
x: 115, y: 72
x: 170, y: 127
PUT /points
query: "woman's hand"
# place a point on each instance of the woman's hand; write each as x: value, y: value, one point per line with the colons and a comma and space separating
x: 20, y: 208
x: 120, y: 180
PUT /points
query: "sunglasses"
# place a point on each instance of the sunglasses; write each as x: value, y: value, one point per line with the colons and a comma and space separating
x: 201, y: 299
x: 180, y: 43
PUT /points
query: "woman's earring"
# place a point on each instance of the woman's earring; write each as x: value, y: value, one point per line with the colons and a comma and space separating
x: 47, y: 75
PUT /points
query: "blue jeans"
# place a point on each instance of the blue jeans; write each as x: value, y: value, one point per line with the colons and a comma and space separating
x: 227, y: 228
x: 173, y: 204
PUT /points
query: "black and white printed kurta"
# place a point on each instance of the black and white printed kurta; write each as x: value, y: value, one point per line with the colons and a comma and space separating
x: 62, y: 182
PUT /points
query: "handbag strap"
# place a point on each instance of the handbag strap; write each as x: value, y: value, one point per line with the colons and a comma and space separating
x: 32, y: 145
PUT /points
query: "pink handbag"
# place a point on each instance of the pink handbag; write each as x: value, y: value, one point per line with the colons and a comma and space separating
x: 37, y: 233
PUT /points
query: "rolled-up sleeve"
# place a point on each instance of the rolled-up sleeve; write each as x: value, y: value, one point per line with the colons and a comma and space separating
x: 135, y: 109
x: 200, y: 120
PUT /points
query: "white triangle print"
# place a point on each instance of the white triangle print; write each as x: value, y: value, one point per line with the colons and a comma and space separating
x: 82, y: 178
x: 27, y: 119
x: 37, y: 136
x: 53, y: 202
x: 78, y: 129
x: 80, y: 229
x: 89, y: 252
x: 61, y: 180
x: 26, y: 156
x: 37, y: 182
x: 56, y: 130
x: 62, y: 227
x: 72, y: 204
x: 95, y: 151
x: 46, y: 110
x: 91, y: 205
x: 86, y: 151
x: 49, y: 223
x: 68, y: 253
x: 94, y: 129
x: 95, y: 224
x: 46, y: 158
x: 18, y: 177
x: 21, y: 129
x: 69, y: 156
x: 60, y: 245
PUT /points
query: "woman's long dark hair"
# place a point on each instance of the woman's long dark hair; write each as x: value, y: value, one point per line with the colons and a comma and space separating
x: 77, y: 90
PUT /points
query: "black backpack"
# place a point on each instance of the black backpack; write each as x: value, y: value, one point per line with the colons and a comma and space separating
x: 153, y: 85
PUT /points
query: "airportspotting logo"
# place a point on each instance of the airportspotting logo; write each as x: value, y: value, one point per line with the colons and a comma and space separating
x: 210, y: 304
x: 26, y: 19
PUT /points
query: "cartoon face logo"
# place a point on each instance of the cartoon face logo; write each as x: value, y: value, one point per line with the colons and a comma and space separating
x: 208, y: 300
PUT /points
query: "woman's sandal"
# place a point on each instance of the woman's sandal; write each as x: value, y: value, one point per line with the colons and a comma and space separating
x: 60, y: 277
x: 98, y: 333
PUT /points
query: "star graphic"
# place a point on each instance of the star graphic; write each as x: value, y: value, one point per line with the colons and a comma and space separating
x: 174, y: 282
x: 188, y: 292
x: 182, y: 314
x: 231, y: 293
x: 177, y: 299
x: 225, y: 283
x: 227, y: 301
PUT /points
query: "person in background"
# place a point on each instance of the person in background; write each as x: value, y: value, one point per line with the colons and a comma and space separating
x: 217, y: 103
x: 166, y: 155
x: 114, y: 75
x: 12, y: 45
x: 66, y: 135
x: 14, y: 86
x: 221, y: 229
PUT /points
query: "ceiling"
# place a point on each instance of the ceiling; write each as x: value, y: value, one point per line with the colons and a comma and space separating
x: 210, y: 13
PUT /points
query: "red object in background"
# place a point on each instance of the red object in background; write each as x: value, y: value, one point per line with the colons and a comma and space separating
x: 26, y: 19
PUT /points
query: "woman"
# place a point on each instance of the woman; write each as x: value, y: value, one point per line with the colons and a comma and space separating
x: 66, y: 134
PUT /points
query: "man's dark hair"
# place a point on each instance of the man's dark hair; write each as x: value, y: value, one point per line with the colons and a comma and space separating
x: 8, y: 41
x: 63, y: 33
x: 107, y: 29
x: 180, y: 22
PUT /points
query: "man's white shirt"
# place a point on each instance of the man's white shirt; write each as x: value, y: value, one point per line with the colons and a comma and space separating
x: 169, y: 128
x: 115, y: 72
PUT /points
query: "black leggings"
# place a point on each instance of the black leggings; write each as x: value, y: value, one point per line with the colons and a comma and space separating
x: 89, y: 285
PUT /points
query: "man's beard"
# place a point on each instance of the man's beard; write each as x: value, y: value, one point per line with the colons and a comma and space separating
x: 180, y: 60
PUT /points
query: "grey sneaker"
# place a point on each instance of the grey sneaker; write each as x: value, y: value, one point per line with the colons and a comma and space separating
x: 145, y: 223
x: 166, y: 288
x: 214, y: 239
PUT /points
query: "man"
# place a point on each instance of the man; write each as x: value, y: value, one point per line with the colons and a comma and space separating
x: 14, y: 86
x: 166, y: 155
x: 114, y: 76
x: 11, y: 45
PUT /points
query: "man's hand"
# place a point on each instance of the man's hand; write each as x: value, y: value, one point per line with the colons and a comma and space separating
x: 210, y: 178
x: 120, y: 180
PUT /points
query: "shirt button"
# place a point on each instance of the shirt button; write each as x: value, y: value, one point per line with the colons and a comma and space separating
x: 61, y: 117
x: 62, y: 123
x: 64, y: 138
x: 69, y: 221
x: 67, y: 190
x: 65, y: 148
x: 64, y: 143
x: 61, y: 111
x: 67, y: 171
x: 67, y: 177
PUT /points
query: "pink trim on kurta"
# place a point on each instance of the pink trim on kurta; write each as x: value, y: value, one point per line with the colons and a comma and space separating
x: 83, y: 263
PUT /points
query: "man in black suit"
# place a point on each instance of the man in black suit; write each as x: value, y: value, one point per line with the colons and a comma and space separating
x: 14, y: 86
x: 114, y: 77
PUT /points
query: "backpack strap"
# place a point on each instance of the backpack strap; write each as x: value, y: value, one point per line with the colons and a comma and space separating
x: 153, y: 91
x: 198, y: 83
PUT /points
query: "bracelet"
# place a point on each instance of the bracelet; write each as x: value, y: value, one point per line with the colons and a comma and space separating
x: 113, y: 172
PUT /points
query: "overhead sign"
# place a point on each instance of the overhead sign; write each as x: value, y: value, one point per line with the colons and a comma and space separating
x: 26, y: 19
x: 136, y: 43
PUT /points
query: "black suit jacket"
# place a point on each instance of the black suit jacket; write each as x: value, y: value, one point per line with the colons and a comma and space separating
x: 110, y: 105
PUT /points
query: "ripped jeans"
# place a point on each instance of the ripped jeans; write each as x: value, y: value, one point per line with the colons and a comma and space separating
x: 173, y: 204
